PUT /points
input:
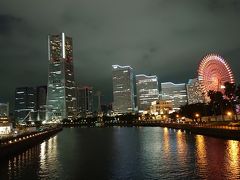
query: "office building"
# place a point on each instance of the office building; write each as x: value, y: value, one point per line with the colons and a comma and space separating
x: 25, y: 102
x: 84, y: 99
x: 147, y: 91
x: 61, y: 96
x: 123, y: 92
x: 194, y: 92
x: 174, y: 92
x: 41, y: 102
x: 41, y: 96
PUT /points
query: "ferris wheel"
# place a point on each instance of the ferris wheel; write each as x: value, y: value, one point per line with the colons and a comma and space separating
x: 213, y: 72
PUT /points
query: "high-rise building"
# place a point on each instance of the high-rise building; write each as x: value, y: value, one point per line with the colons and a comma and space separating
x: 61, y: 96
x: 84, y: 99
x: 25, y: 102
x: 194, y: 92
x: 41, y: 96
x: 147, y: 91
x: 175, y: 92
x: 41, y: 102
x: 4, y: 110
x: 123, y: 92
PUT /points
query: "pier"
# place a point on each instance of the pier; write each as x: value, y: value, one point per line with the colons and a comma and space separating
x: 15, y: 144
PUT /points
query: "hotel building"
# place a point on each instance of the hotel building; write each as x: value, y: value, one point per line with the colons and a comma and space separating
x: 123, y: 92
x: 147, y: 91
x: 174, y: 92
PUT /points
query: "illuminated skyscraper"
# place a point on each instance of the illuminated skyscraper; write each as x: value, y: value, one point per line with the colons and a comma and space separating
x: 61, y: 98
x: 194, y: 92
x: 175, y: 92
x: 123, y: 93
x: 25, y: 102
x: 147, y: 91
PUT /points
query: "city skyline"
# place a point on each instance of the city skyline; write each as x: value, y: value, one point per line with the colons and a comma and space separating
x: 150, y: 40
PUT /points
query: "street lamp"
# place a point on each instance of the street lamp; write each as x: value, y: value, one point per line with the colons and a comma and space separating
x: 197, y: 115
x: 229, y: 113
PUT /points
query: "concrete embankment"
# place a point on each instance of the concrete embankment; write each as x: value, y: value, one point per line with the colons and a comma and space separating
x: 224, y: 132
x: 15, y: 145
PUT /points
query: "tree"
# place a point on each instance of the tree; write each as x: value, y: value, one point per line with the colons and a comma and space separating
x: 216, y: 102
x: 230, y: 93
x: 190, y: 110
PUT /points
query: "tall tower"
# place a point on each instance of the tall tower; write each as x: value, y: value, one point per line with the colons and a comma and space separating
x: 61, y: 98
x: 123, y: 93
x: 147, y: 91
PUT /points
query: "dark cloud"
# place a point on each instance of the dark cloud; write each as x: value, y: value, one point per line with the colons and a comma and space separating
x: 7, y: 23
x: 163, y: 37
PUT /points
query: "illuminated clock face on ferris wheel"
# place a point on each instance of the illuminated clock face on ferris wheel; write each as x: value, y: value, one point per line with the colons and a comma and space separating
x: 213, y: 72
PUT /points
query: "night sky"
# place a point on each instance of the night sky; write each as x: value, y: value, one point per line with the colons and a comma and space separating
x: 163, y: 37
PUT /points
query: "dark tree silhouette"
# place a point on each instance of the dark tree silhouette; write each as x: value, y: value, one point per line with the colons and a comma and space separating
x: 230, y: 93
x: 216, y: 102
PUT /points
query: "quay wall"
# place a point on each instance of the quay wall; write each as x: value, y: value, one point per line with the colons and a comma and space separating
x: 18, y: 144
x: 219, y: 131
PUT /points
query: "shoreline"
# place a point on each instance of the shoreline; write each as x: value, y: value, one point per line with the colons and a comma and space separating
x: 218, y: 131
x: 18, y: 144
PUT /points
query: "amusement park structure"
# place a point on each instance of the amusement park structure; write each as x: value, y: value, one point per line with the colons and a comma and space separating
x: 213, y: 72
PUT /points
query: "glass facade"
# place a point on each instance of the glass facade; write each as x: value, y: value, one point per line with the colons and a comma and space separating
x: 84, y: 100
x: 176, y: 93
x: 123, y: 92
x: 25, y: 102
x: 61, y: 98
x: 147, y: 91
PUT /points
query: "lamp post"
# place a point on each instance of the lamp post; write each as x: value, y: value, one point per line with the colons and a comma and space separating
x: 229, y: 114
x: 197, y: 116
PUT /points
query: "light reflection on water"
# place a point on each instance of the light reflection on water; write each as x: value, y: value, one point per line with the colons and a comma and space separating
x: 126, y: 153
x: 233, y: 157
x: 201, y: 158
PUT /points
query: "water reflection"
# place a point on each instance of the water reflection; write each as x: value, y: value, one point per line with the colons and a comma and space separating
x: 40, y: 158
x: 181, y: 145
x: 233, y: 158
x: 201, y: 155
x: 17, y: 165
x: 48, y: 157
x: 126, y: 153
x: 166, y: 143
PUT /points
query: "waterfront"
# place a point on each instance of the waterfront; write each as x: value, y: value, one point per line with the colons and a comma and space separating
x: 126, y: 153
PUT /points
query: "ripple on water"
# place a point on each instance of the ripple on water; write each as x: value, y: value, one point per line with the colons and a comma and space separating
x: 126, y: 153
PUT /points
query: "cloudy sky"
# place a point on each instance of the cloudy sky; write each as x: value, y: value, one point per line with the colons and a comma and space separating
x: 163, y: 37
